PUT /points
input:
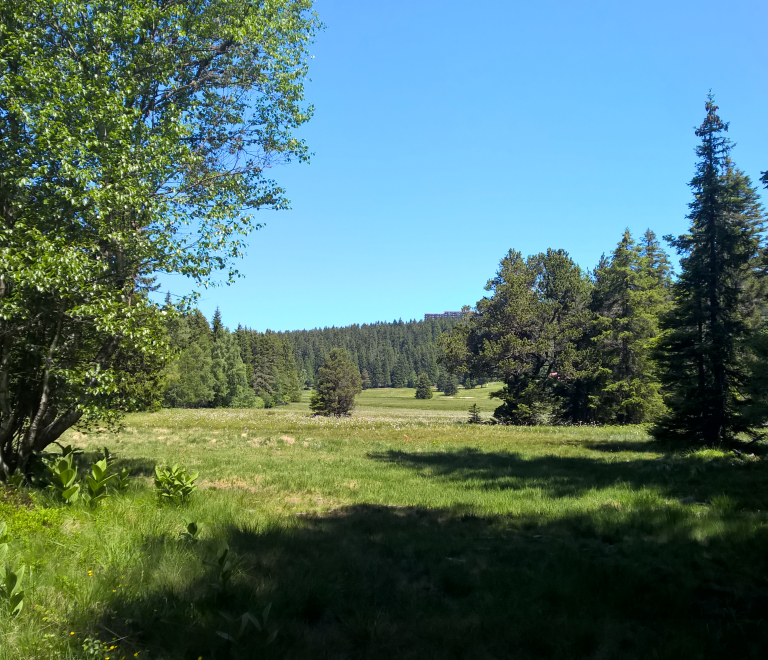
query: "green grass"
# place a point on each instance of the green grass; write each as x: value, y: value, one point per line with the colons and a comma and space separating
x: 402, y: 532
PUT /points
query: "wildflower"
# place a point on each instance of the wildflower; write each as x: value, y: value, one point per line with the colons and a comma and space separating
x: 72, y: 633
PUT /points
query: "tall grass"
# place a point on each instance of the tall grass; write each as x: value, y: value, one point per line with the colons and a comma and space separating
x: 399, y: 532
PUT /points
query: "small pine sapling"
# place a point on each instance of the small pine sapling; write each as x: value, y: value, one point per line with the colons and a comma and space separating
x: 474, y: 415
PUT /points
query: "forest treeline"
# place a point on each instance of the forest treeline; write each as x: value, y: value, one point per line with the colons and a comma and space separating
x: 245, y: 368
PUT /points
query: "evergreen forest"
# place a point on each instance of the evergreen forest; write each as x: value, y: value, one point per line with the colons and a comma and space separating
x: 214, y: 367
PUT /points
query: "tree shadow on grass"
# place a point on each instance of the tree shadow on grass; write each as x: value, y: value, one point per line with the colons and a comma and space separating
x: 137, y: 467
x: 686, y: 478
x: 394, y: 582
x: 634, y: 446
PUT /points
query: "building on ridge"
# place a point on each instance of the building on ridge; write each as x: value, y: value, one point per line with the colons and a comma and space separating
x: 444, y: 315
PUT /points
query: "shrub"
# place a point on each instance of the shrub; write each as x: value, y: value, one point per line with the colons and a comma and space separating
x: 174, y: 484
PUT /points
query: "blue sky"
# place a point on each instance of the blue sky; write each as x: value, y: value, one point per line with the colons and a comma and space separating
x: 448, y: 132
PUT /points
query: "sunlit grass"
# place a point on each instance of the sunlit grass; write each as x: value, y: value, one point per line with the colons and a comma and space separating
x: 401, y: 532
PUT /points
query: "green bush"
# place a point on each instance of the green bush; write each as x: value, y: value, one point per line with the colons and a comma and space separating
x: 174, y: 484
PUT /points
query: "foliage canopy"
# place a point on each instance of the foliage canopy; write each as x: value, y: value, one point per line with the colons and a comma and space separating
x: 134, y: 139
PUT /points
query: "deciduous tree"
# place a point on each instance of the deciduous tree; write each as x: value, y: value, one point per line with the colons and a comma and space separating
x: 134, y: 140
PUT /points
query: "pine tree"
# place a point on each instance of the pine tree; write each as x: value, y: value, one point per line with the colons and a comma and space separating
x: 230, y: 386
x: 217, y: 326
x: 400, y: 373
x: 707, y: 353
x: 423, y: 387
x: 338, y: 382
x: 412, y: 379
x: 631, y: 290
x: 474, y: 415
x: 366, y: 379
x: 450, y: 385
x: 526, y: 333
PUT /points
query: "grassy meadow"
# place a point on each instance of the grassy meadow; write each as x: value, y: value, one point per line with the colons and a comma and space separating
x: 400, y: 532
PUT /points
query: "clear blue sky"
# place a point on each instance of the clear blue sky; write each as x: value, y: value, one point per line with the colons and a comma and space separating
x: 447, y: 132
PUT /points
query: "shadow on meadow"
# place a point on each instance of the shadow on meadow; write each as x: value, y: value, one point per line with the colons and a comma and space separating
x: 689, y: 478
x: 395, y: 582
x: 635, y: 446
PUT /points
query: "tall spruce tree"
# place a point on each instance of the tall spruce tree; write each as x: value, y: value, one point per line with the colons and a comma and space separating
x: 706, y: 355
x: 631, y: 290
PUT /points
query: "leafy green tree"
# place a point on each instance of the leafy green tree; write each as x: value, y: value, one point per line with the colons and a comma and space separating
x: 423, y: 387
x: 526, y: 333
x: 631, y: 291
x: 338, y: 383
x: 707, y: 353
x: 133, y: 139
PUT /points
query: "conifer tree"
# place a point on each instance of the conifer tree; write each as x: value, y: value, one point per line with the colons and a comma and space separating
x: 707, y: 353
x: 631, y: 290
x: 450, y: 385
x: 366, y: 379
x: 400, y: 373
x: 412, y: 379
x: 474, y: 415
x: 423, y: 387
x: 338, y: 382
x: 526, y: 333
x: 216, y: 324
